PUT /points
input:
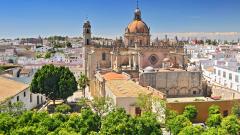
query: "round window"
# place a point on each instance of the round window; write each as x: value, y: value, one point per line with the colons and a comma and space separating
x: 153, y: 59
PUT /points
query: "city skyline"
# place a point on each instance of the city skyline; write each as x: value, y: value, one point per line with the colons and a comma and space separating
x: 33, y: 18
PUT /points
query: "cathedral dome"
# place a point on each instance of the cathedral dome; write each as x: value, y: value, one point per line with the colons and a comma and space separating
x: 137, y: 26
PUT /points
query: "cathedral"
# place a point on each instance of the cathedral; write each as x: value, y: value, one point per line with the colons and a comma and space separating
x: 131, y: 54
x: 137, y: 64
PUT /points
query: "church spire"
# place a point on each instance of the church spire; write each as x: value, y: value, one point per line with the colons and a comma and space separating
x: 137, y: 14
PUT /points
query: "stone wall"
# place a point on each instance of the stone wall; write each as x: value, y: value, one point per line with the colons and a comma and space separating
x: 224, y: 93
x: 202, y: 107
x: 174, y: 83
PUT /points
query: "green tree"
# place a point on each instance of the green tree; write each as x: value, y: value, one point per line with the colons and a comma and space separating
x: 54, y: 82
x: 225, y: 42
x: 64, y: 131
x: 190, y: 112
x: 30, y: 130
x: 82, y: 83
x: 208, y: 41
x: 222, y: 131
x: 63, y: 108
x: 69, y: 45
x: 102, y: 105
x: 38, y: 55
x: 191, y: 130
x: 146, y: 124
x: 51, y: 123
x: 170, y: 114
x: 84, y: 123
x: 83, y: 103
x: 214, y: 42
x: 144, y: 102
x: 60, y: 116
x: 159, y: 108
x: 176, y: 124
x: 236, y: 109
x: 214, y: 120
x: 231, y: 124
x: 48, y: 55
x: 7, y: 122
x: 213, y: 109
x: 210, y: 131
x: 1, y: 69
x: 117, y: 122
x: 15, y: 108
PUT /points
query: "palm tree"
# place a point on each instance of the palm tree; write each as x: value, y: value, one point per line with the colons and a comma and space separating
x: 83, y: 82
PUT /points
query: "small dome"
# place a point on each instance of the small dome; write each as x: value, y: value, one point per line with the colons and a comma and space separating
x: 166, y: 60
x: 149, y: 69
x: 137, y: 26
x: 138, y: 12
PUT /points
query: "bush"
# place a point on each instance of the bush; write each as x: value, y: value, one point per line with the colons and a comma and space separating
x: 192, y: 130
x: 190, y: 112
x: 231, y: 124
x: 214, y: 109
x: 63, y: 108
x: 48, y: 55
x: 176, y: 124
x: 214, y: 120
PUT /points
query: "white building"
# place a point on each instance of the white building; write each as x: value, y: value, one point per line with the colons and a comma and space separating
x: 227, y: 77
x: 58, y: 57
x: 123, y: 91
x: 12, y: 91
x: 43, y: 49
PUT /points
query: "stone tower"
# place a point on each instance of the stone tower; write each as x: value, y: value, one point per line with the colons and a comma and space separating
x: 87, y: 33
x: 86, y: 45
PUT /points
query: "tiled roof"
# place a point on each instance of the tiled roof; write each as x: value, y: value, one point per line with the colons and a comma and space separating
x: 126, y: 88
x: 114, y: 76
x: 9, y: 88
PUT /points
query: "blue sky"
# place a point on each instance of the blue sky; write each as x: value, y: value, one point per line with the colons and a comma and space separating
x: 30, y: 18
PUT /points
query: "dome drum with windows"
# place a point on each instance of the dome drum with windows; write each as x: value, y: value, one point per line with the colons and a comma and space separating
x: 137, y: 31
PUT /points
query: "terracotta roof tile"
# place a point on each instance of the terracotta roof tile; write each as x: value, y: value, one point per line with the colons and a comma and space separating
x: 126, y: 88
x: 114, y: 76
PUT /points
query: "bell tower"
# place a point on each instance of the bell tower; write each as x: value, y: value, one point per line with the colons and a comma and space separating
x: 87, y: 33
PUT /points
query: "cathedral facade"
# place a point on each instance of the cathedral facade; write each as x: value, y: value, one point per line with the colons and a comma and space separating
x: 133, y: 53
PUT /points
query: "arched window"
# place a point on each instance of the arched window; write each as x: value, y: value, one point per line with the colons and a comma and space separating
x: 87, y: 41
x: 104, y: 56
x: 87, y: 31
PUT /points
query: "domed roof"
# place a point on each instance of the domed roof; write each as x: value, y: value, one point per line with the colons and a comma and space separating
x: 166, y: 60
x: 149, y: 69
x: 137, y: 26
